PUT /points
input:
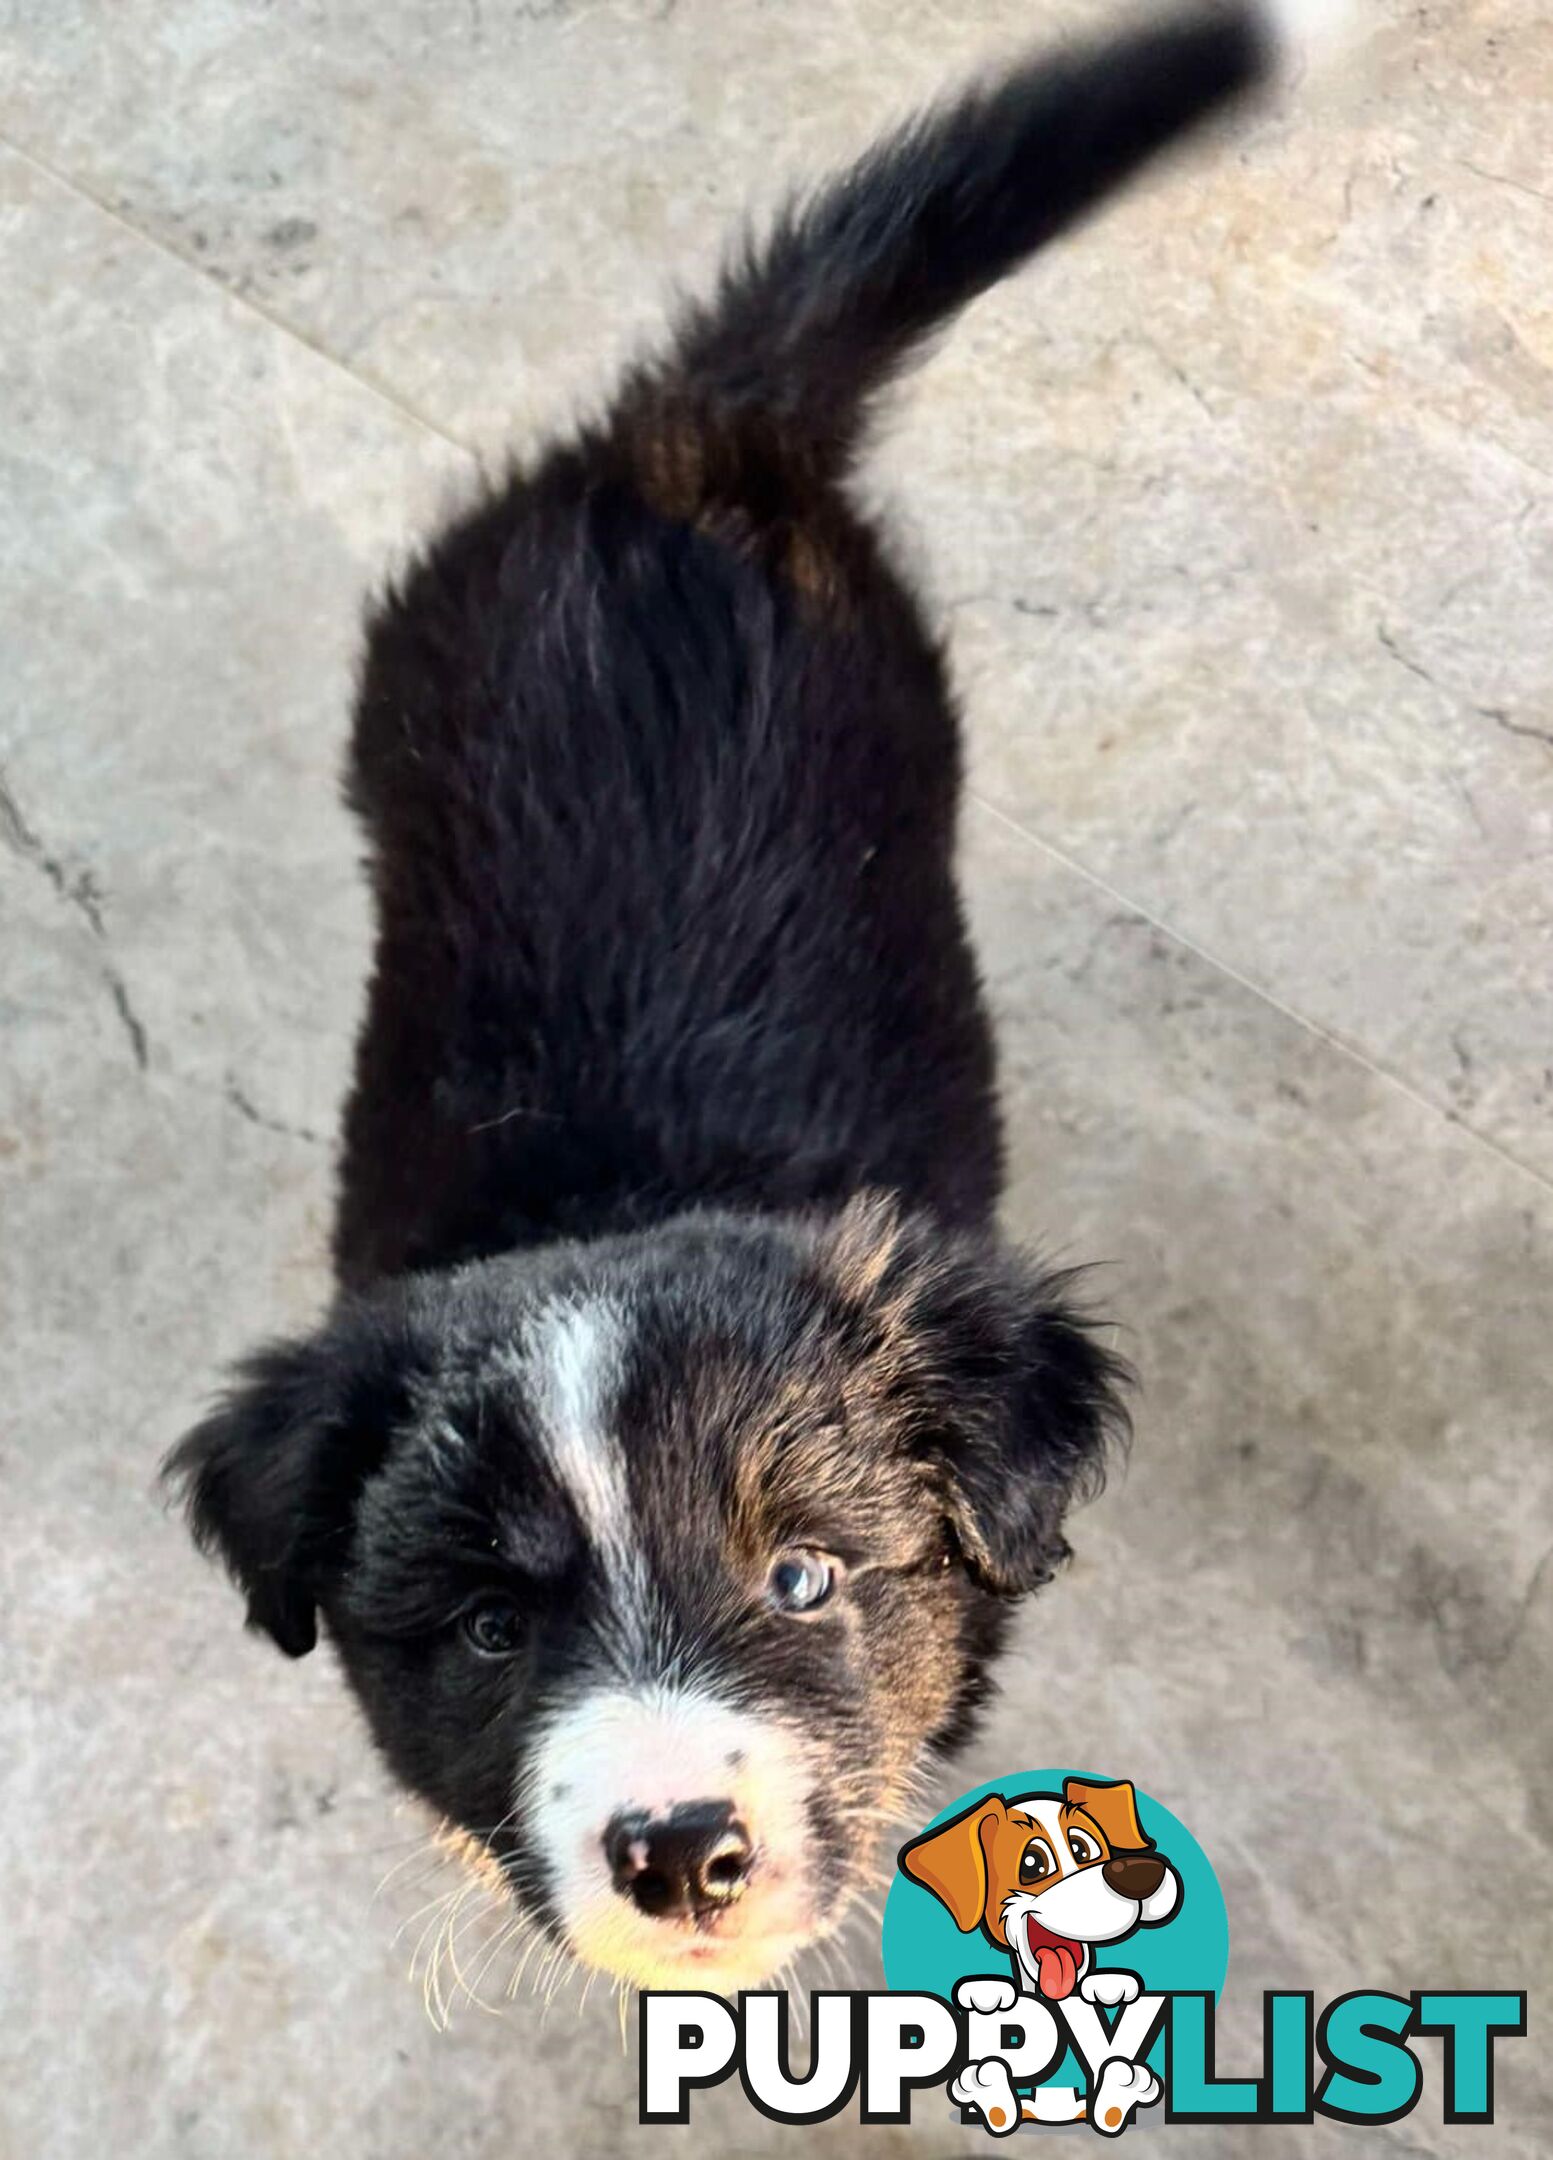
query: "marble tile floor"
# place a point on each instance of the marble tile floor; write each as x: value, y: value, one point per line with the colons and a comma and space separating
x: 1238, y: 510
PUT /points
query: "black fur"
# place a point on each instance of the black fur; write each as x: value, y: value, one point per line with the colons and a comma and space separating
x: 658, y: 770
x: 811, y: 325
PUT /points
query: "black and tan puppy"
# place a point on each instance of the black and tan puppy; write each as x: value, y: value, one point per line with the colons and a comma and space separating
x: 682, y: 1432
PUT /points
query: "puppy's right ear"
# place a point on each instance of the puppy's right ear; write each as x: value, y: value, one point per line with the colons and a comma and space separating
x: 271, y: 1478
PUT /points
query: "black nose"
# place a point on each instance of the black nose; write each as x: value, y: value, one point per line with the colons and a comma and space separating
x: 692, y: 1860
x: 1134, y: 1875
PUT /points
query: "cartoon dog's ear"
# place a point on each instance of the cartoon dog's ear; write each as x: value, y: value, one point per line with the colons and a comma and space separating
x: 271, y: 1478
x: 951, y: 1861
x: 1114, y: 1808
x: 999, y: 1376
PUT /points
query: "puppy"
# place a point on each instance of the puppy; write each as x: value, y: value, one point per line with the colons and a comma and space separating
x: 1046, y: 1877
x: 682, y: 1432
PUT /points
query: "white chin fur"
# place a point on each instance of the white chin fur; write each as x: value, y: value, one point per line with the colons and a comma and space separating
x: 651, y: 1748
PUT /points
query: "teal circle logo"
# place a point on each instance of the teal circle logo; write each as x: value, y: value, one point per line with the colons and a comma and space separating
x: 1046, y: 1845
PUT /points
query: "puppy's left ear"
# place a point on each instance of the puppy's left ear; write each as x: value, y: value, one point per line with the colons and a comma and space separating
x: 1013, y: 1399
x: 271, y: 1478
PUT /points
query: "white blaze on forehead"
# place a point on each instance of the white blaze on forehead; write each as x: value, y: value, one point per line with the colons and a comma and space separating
x: 650, y: 1747
x: 573, y: 1361
x: 647, y: 1750
x: 1046, y: 1811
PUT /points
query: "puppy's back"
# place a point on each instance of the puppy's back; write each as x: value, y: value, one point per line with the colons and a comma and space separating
x: 657, y: 762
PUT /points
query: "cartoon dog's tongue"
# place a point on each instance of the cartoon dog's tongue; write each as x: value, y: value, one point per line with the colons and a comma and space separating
x: 1056, y: 1959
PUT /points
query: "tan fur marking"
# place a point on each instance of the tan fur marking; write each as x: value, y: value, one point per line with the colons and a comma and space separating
x: 474, y: 1854
x: 698, y: 473
x: 812, y: 568
x: 862, y: 1245
x: 671, y: 456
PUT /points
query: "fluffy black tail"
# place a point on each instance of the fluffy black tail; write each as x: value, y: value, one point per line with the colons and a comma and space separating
x: 809, y: 324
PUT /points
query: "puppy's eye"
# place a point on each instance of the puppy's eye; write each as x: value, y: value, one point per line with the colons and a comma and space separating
x: 1084, y: 1849
x: 799, y: 1582
x: 494, y: 1626
x: 1035, y: 1862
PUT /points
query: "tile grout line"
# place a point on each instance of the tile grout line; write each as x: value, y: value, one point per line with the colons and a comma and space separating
x: 1351, y: 1051
x: 244, y: 302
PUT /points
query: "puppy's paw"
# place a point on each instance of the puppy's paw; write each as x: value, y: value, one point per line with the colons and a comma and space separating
x: 1110, y: 1988
x: 986, y: 1994
x: 988, y: 2088
x: 1121, y: 2088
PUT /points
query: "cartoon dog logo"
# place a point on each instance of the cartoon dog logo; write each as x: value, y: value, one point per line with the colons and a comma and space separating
x: 1046, y: 1877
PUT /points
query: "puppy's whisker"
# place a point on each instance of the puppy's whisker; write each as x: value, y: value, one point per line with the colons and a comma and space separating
x: 438, y: 1910
x: 419, y: 1858
x: 457, y: 1924
x: 415, y: 1886
x: 455, y: 1934
x: 438, y: 2000
x: 433, y: 1905
x: 500, y: 1937
x: 516, y: 1930
x: 425, y: 1959
x: 520, y: 1965
x: 547, y: 1959
x: 416, y: 1868
x: 560, y: 1979
x: 551, y: 1976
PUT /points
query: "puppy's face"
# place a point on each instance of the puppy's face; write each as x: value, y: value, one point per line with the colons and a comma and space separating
x: 657, y: 1563
x: 1048, y: 1875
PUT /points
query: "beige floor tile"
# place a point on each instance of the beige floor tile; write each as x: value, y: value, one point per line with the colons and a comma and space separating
x: 1238, y: 506
x: 1314, y: 1616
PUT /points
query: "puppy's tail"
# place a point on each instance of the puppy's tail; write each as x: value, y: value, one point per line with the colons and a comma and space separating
x: 810, y: 324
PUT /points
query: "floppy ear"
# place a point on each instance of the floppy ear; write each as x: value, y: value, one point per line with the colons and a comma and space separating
x: 1014, y: 1400
x: 271, y: 1478
x: 1114, y: 1807
x: 1057, y: 1408
x: 952, y: 1862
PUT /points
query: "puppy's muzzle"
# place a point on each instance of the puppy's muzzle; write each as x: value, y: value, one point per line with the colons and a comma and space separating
x: 690, y: 1863
x: 1134, y: 1875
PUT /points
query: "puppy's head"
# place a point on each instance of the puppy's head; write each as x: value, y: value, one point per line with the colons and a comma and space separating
x: 1048, y: 1874
x: 657, y: 1562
